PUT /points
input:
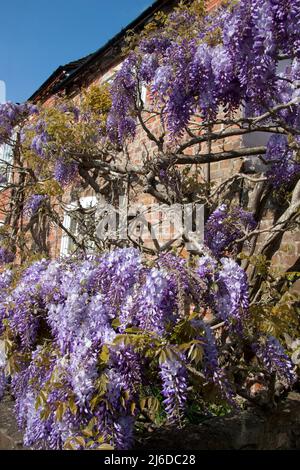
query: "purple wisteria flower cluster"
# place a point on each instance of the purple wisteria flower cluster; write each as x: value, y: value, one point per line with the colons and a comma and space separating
x: 229, y: 59
x: 174, y: 379
x: 11, y: 115
x: 232, y: 297
x: 283, y: 166
x: 212, y: 369
x: 65, y: 170
x: 33, y: 203
x: 40, y: 139
x: 5, y: 281
x: 6, y: 256
x: 90, y: 334
x: 275, y: 359
x: 120, y: 123
x: 225, y: 226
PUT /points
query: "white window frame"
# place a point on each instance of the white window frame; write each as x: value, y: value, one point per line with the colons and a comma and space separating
x: 110, y: 79
x: 6, y: 159
x: 85, y: 202
x: 144, y: 94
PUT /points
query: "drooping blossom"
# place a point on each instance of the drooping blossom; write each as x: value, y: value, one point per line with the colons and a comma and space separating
x: 275, y: 359
x: 174, y: 379
x: 6, y: 256
x: 225, y: 226
x: 232, y: 298
x: 33, y: 204
x: 283, y: 166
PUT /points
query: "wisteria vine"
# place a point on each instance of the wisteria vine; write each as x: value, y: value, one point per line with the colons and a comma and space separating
x: 91, y: 343
x: 84, y: 337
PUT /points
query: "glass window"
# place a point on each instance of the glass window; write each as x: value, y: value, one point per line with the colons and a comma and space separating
x: 79, y: 224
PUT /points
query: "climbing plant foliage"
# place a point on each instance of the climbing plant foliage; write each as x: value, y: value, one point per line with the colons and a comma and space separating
x: 95, y: 345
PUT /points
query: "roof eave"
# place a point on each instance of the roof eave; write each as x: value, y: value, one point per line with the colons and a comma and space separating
x: 45, y: 89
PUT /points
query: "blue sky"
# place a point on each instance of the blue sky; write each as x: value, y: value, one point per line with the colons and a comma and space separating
x: 36, y: 36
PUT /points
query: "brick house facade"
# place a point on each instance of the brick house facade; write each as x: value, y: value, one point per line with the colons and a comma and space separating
x: 71, y: 79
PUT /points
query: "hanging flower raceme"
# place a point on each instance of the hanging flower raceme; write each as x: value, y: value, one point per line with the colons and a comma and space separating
x: 148, y: 67
x: 283, y: 166
x: 5, y: 281
x: 161, y: 80
x: 33, y: 204
x: 232, y: 300
x: 40, y: 139
x: 225, y: 226
x: 2, y: 382
x: 174, y: 379
x: 275, y: 359
x: 65, y: 171
x: 11, y: 115
x: 25, y: 305
x: 6, y: 256
x: 3, y: 180
x: 212, y: 370
x: 3, y: 379
x: 120, y: 122
x: 206, y: 267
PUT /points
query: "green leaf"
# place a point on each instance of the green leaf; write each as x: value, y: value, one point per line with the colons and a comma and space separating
x: 105, y: 447
x: 162, y: 357
x: 115, y: 323
x: 79, y: 440
x: 143, y: 403
x: 104, y: 355
x: 73, y: 407
x: 68, y: 445
x: 153, y: 404
x: 195, y: 353
x: 88, y: 432
x: 38, y: 403
x: 132, y: 408
x: 170, y: 354
x: 60, y: 411
x: 102, y: 384
x: 132, y: 330
x: 45, y: 413
x: 95, y: 402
